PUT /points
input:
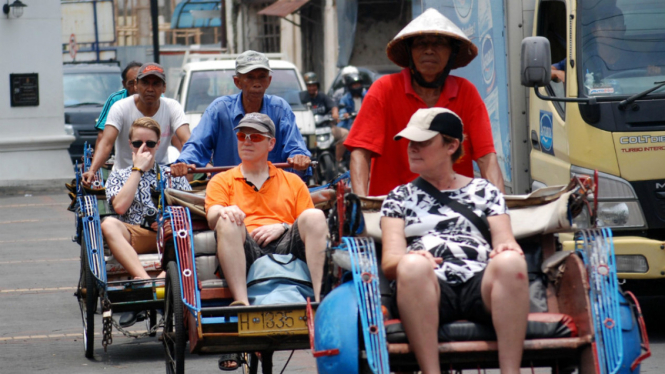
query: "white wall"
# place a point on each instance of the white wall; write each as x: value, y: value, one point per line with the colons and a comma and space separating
x: 33, y: 144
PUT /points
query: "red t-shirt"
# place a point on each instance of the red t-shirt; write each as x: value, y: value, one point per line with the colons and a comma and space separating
x: 386, y: 110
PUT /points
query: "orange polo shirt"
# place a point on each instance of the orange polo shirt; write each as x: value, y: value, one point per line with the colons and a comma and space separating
x: 281, y: 198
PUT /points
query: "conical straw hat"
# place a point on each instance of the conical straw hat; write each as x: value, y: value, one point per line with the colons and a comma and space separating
x: 431, y: 22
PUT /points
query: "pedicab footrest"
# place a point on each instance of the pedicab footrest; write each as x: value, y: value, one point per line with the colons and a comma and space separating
x: 150, y: 262
x: 540, y: 326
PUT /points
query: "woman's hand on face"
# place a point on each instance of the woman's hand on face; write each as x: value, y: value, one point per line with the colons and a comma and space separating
x: 142, y: 158
x: 436, y: 261
x: 505, y: 247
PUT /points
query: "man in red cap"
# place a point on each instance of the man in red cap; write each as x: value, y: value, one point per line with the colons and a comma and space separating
x: 428, y: 48
x: 148, y: 102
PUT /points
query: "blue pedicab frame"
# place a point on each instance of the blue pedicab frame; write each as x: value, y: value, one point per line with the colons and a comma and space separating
x: 589, y: 291
x: 94, y: 287
x: 204, y: 317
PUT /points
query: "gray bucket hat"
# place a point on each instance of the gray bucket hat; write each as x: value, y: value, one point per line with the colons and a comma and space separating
x: 251, y: 60
x: 258, y: 121
x: 431, y: 22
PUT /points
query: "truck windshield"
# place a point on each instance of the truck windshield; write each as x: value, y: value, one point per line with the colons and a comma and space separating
x: 90, y: 88
x: 622, y: 46
x: 205, y: 86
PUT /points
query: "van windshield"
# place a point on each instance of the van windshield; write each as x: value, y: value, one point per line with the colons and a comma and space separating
x: 207, y: 85
x: 621, y: 45
x: 90, y: 88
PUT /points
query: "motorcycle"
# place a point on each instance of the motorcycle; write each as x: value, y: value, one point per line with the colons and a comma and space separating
x: 324, y: 152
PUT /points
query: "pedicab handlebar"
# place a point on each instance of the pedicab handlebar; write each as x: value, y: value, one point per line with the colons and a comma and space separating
x: 217, y: 169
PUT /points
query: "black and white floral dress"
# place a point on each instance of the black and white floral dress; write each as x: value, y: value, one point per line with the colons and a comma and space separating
x: 444, y: 232
x: 142, y: 200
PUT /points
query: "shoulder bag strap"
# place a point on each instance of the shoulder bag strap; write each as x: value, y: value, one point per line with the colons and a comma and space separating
x: 481, y: 224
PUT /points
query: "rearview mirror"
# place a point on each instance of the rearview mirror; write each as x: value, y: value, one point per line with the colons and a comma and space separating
x: 536, y: 68
x: 304, y: 97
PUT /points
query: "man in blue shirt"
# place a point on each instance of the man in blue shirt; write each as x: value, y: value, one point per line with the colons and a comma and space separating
x: 214, y: 138
x: 129, y: 84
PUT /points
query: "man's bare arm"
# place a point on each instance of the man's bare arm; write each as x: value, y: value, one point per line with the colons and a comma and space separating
x: 182, y: 133
x: 490, y: 170
x: 102, y: 153
x: 360, y: 160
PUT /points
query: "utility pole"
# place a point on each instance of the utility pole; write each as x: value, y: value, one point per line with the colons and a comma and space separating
x: 154, y: 14
x: 222, y: 27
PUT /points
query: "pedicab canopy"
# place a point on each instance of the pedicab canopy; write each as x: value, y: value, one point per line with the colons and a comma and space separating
x: 431, y: 22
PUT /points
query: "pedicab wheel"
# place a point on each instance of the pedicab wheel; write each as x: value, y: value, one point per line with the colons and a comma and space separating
x: 327, y: 170
x: 174, y: 328
x: 152, y: 321
x: 87, y: 296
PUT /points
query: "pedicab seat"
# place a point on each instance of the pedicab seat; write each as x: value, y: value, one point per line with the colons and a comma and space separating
x: 208, y: 272
x: 540, y: 326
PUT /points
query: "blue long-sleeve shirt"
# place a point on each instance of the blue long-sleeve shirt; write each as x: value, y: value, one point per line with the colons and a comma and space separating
x: 214, y: 137
x: 349, y: 106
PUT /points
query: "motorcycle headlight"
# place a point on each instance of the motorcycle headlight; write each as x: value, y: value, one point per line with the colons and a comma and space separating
x: 618, y: 207
x: 324, y: 138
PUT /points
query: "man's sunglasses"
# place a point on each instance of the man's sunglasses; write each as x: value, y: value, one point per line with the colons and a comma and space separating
x: 255, y: 138
x: 149, y: 144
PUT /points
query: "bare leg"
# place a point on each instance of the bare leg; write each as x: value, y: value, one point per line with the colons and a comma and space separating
x: 340, y: 134
x: 505, y: 291
x: 418, y: 297
x: 313, y: 230
x: 117, y: 237
x: 231, y: 256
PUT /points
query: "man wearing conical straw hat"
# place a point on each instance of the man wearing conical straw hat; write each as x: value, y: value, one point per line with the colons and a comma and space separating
x: 428, y: 48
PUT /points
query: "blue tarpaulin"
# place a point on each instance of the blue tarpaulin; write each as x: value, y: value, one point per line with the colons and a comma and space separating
x: 183, y: 18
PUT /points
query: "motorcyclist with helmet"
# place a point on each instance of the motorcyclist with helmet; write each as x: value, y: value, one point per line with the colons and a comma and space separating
x: 350, y: 69
x: 427, y: 48
x: 323, y: 104
x: 352, y: 99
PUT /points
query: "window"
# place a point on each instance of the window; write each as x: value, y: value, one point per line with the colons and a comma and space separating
x: 552, y: 22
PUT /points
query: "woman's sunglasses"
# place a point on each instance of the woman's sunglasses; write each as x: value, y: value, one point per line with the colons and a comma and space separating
x: 255, y: 138
x: 149, y: 144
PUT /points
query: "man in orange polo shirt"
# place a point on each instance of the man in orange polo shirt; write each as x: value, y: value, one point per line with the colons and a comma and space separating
x: 258, y: 209
x: 427, y: 48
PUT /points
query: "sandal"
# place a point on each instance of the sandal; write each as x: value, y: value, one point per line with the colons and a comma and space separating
x: 230, y: 361
x: 238, y: 303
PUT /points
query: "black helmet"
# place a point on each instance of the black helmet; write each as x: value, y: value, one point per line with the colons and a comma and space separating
x: 352, y: 78
x: 311, y: 78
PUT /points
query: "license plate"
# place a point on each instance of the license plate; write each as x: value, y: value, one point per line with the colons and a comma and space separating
x: 276, y: 322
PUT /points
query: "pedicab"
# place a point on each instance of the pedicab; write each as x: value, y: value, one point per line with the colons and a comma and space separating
x: 579, y: 318
x: 103, y: 282
x: 198, y: 306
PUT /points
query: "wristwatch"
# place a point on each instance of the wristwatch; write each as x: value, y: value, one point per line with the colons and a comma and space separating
x: 286, y: 226
x: 134, y: 168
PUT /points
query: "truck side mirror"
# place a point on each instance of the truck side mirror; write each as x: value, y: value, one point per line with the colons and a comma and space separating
x: 536, y: 68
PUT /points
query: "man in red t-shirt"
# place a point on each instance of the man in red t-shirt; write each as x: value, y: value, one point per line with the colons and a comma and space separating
x: 428, y: 48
